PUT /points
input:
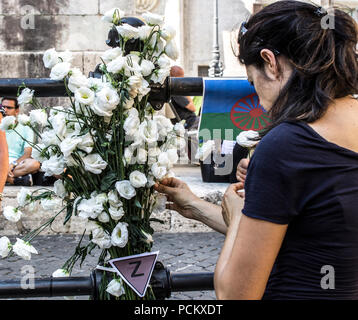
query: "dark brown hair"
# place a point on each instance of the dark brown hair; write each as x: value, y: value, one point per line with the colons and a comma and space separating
x: 324, y: 60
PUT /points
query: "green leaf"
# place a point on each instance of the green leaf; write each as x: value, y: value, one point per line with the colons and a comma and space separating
x: 137, y: 204
x: 108, y: 180
x: 69, y: 213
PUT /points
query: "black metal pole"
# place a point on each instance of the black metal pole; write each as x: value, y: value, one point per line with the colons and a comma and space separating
x: 52, y: 88
x: 163, y: 284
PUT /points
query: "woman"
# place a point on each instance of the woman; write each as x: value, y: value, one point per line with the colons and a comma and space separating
x: 300, y: 216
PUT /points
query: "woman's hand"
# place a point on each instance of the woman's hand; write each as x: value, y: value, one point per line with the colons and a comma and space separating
x: 230, y: 202
x: 241, y: 171
x: 179, y: 194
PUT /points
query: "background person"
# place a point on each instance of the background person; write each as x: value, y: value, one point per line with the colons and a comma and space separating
x: 301, y: 188
x: 21, y: 165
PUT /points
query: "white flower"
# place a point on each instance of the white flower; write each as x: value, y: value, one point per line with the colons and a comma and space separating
x: 179, y: 129
x: 163, y: 160
x: 164, y: 62
x: 84, y: 95
x: 148, y: 131
x: 50, y: 204
x: 131, y: 125
x: 59, y: 189
x: 94, y: 163
x: 159, y: 203
x: 5, y: 247
x: 23, y: 119
x: 153, y: 19
x: 244, y: 139
x: 50, y: 58
x: 164, y: 126
x: 113, y: 15
x: 99, y: 236
x: 76, y: 80
x: 24, y: 249
x: 128, y: 104
x: 158, y: 171
x: 205, y: 150
x: 38, y: 116
x: 116, y: 288
x: 137, y: 179
x: 111, y: 54
x: 60, y: 70
x: 36, y: 154
x: 25, y: 97
x: 68, y: 145
x: 60, y: 273
x: 125, y: 189
x: 86, y: 143
x: 142, y: 156
x: 119, y: 235
x: 127, y: 31
x: 89, y: 208
x: 8, y: 123
x: 65, y: 56
x: 12, y: 214
x: 147, y: 237
x: 144, y: 32
x: 49, y: 137
x: 23, y: 197
x: 53, y: 166
x: 116, y: 213
x: 108, y: 99
x: 146, y: 67
x: 168, y: 32
x: 160, y: 75
x: 103, y: 217
x: 113, y: 199
x: 171, y: 50
x: 173, y: 156
x: 128, y: 156
x: 116, y: 65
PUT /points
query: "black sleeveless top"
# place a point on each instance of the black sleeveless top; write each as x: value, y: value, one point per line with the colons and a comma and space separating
x: 297, y: 177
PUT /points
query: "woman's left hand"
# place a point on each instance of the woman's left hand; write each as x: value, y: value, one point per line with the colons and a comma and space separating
x: 230, y: 202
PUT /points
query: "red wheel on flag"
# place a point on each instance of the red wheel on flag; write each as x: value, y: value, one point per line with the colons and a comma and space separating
x: 248, y: 114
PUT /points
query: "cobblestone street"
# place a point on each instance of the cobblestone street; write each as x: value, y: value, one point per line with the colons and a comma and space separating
x: 179, y: 252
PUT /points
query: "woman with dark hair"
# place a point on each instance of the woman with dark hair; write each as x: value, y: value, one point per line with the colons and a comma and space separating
x: 297, y: 236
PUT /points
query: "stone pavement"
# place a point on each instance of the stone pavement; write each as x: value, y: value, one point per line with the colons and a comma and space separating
x: 179, y: 252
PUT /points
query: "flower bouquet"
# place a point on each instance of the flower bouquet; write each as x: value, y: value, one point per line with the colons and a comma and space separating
x: 107, y: 149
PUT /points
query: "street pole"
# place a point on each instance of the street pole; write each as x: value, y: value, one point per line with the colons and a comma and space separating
x: 216, y: 67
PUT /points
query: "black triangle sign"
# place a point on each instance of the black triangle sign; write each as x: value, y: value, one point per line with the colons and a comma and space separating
x: 136, y: 270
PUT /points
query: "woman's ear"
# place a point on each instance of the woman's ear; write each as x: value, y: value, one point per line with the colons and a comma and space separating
x: 271, y: 65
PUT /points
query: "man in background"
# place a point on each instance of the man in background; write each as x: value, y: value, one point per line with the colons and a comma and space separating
x: 21, y: 165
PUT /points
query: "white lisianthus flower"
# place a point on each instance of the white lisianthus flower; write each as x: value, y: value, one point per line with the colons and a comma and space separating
x: 108, y: 98
x: 94, y: 163
x: 23, y: 249
x: 153, y: 152
x: 205, y: 150
x: 25, y: 97
x: 126, y: 31
x: 113, y: 199
x: 134, y: 84
x: 24, y: 119
x: 59, y: 189
x: 163, y: 160
x: 12, y: 214
x: 164, y: 62
x: 103, y: 217
x: 68, y: 145
x: 116, y: 213
x: 125, y: 189
x: 38, y: 116
x: 5, y: 247
x: 36, y: 154
x: 113, y: 15
x: 58, y: 123
x: 116, y: 65
x: 158, y: 171
x: 50, y: 204
x: 171, y: 50
x: 7, y: 123
x: 84, y: 95
x: 128, y: 104
x: 111, y: 54
x: 137, y: 179
x: 60, y: 273
x: 168, y: 32
x: 146, y: 67
x: 60, y: 71
x: 116, y: 288
x: 153, y: 19
x: 50, y: 58
x: 89, y: 208
x: 148, y: 131
x: 144, y: 89
x: 244, y: 139
x: 160, y: 75
x: 53, y: 166
x: 144, y: 32
x: 23, y: 197
x: 76, y: 80
x: 48, y: 137
x: 119, y: 235
x: 86, y: 143
x: 99, y: 236
x: 65, y: 56
x: 179, y: 129
x: 131, y: 125
x: 173, y: 156
x: 142, y: 156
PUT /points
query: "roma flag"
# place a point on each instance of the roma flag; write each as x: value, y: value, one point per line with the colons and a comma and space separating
x: 230, y: 104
